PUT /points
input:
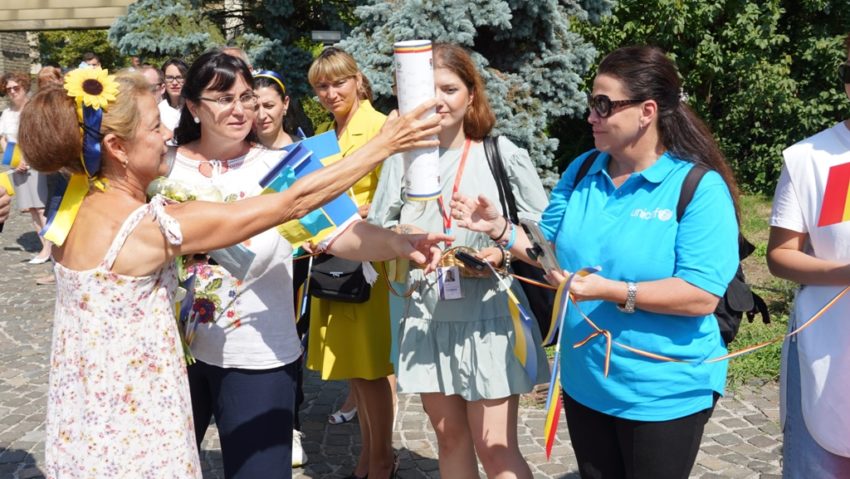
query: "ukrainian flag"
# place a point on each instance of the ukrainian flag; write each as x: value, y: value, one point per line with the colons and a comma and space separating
x: 12, y: 155
x: 301, y: 159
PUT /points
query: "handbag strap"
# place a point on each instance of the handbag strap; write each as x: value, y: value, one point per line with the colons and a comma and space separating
x: 497, y: 168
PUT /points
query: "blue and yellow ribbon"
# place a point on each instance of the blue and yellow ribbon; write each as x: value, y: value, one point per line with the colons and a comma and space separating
x: 553, y: 398
x: 524, y: 348
x: 93, y: 89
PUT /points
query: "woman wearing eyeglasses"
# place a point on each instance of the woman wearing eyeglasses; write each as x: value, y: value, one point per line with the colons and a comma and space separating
x: 661, y: 277
x: 245, y: 344
x: 809, y: 245
x: 174, y: 71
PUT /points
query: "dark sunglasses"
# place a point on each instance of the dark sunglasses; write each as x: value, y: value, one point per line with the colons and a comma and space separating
x: 604, y: 106
x: 844, y: 73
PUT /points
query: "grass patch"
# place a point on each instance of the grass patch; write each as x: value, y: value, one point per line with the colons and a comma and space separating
x: 778, y: 294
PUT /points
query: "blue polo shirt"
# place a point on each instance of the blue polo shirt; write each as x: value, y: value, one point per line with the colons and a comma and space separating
x: 632, y: 232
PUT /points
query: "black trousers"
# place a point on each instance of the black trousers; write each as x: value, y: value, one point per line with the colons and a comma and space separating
x: 609, y: 447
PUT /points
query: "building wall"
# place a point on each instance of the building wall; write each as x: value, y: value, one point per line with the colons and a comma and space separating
x: 14, y: 55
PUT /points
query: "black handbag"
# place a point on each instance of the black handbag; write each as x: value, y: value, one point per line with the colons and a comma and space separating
x: 338, y: 279
x: 541, y: 300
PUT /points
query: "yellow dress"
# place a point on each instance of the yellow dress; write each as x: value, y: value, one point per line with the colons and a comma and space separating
x: 353, y: 340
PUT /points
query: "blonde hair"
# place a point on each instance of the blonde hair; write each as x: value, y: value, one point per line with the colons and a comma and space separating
x: 50, y: 133
x: 335, y: 64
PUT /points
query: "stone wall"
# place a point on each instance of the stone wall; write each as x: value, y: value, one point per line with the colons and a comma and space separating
x: 14, y: 55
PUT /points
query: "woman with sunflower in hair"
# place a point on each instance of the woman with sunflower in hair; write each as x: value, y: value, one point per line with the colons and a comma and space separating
x: 118, y: 396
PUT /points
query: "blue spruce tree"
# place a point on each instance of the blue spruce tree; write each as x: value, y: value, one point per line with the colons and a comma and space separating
x: 532, y: 63
x: 165, y: 28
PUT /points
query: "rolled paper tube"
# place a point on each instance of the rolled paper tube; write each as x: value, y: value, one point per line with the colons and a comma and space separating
x: 414, y: 70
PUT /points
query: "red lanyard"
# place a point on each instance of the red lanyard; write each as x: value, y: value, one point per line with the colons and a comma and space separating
x: 444, y: 212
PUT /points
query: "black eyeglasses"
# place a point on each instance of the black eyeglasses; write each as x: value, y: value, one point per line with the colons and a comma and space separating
x: 844, y: 73
x: 604, y: 106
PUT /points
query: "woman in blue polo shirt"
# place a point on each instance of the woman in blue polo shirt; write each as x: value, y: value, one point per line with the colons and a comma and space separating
x: 661, y: 278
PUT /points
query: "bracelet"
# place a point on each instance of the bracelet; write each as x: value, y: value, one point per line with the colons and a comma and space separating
x: 507, y: 262
x: 501, y: 250
x: 498, y: 238
x: 511, y: 241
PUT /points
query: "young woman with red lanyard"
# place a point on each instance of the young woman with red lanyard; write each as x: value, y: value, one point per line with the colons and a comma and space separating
x: 458, y: 353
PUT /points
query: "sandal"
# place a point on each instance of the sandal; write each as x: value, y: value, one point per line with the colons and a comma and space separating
x: 342, y: 417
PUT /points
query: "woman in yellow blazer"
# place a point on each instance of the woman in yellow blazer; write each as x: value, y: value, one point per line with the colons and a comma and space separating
x: 352, y: 341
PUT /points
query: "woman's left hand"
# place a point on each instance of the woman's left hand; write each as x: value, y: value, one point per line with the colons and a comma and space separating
x: 494, y: 256
x: 421, y: 248
x: 477, y: 214
x: 585, y: 287
x: 22, y: 167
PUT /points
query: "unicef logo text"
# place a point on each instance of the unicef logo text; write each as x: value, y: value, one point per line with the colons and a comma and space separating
x: 657, y: 213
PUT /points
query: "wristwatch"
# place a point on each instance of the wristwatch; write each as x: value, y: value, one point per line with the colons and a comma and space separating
x: 629, y: 307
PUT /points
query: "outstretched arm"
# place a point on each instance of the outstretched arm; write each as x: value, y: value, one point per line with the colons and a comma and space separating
x: 208, y: 226
x: 366, y: 242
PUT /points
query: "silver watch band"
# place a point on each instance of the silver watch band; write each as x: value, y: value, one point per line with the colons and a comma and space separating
x: 631, y: 295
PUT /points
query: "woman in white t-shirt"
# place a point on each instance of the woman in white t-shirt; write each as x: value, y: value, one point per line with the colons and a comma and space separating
x: 246, y: 345
x: 810, y: 245
x: 30, y: 185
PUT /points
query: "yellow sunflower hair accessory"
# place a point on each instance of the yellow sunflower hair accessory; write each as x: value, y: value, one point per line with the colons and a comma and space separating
x: 93, y: 89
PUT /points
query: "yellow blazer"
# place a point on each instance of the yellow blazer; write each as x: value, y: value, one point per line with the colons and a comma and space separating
x: 365, y: 124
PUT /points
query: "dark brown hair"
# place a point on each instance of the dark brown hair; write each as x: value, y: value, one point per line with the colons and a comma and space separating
x: 479, y: 118
x: 216, y: 71
x: 22, y: 79
x: 647, y: 74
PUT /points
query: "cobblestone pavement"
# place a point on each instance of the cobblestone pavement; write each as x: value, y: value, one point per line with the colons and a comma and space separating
x: 742, y: 439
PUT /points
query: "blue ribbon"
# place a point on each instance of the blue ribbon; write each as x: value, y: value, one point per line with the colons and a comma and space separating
x: 91, y: 139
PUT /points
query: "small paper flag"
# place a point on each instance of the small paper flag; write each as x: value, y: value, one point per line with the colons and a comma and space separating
x: 6, y: 183
x: 12, y: 155
x: 301, y: 159
x: 836, y: 196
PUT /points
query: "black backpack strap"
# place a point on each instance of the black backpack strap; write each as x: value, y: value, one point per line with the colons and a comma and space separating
x: 497, y: 167
x: 689, y: 186
x: 585, y: 167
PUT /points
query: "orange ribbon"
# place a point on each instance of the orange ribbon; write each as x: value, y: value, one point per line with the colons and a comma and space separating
x: 610, y: 342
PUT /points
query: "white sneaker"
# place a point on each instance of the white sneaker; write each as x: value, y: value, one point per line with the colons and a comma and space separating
x: 299, y: 457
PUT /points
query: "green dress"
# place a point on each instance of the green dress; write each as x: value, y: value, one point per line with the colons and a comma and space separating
x: 463, y: 346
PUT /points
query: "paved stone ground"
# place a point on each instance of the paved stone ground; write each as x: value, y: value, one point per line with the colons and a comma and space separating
x: 742, y: 440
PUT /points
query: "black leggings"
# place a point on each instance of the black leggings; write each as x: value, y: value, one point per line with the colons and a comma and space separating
x: 608, y: 447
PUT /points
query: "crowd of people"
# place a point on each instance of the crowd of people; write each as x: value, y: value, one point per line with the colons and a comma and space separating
x: 123, y: 401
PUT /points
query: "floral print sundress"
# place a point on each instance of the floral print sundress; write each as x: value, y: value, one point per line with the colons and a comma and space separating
x: 118, y: 399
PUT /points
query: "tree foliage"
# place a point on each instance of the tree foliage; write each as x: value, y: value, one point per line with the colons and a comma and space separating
x: 160, y: 29
x: 65, y: 48
x: 532, y: 62
x: 762, y: 73
x: 274, y: 33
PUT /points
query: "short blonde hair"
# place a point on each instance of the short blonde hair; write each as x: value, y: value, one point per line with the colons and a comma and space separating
x: 50, y: 134
x: 335, y: 64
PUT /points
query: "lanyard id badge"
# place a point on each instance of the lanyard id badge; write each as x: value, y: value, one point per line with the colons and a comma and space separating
x: 448, y: 282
